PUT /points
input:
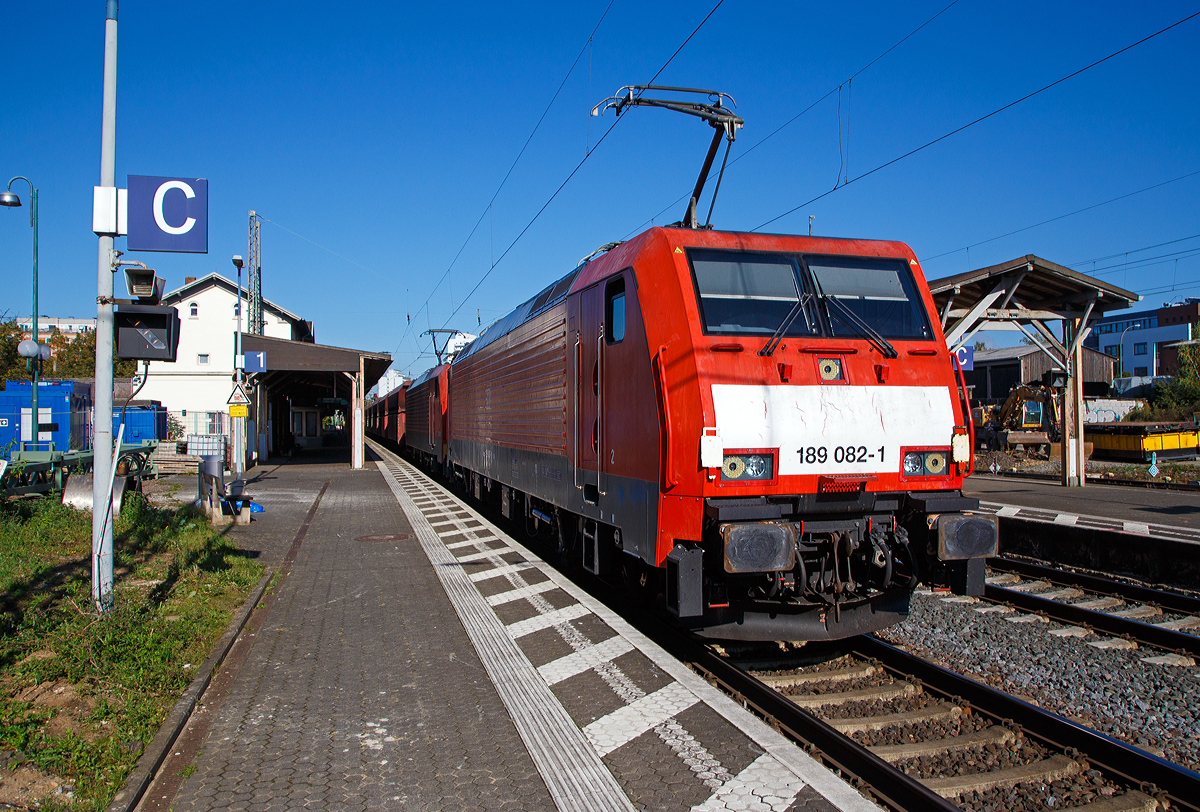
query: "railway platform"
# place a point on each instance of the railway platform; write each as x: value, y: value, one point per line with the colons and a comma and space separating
x: 1140, y: 511
x: 413, y: 656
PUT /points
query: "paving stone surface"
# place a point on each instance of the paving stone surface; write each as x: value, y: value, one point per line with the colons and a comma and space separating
x: 362, y: 690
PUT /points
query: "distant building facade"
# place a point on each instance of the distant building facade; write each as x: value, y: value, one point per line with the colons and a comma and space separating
x: 71, y: 328
x: 391, y: 381
x: 1138, y: 340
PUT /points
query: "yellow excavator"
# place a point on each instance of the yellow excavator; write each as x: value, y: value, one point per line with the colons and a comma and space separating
x: 1026, y: 423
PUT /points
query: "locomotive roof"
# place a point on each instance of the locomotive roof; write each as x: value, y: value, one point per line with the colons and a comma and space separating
x: 594, y: 267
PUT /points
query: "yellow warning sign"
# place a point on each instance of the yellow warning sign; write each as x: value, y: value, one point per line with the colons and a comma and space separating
x: 678, y: 250
x: 238, y: 410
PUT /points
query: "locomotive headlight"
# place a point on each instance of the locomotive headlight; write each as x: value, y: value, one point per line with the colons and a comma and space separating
x: 756, y: 466
x: 747, y: 467
x: 914, y: 464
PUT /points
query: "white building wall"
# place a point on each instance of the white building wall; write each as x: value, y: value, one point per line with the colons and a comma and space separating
x: 189, y: 384
x: 1126, y: 349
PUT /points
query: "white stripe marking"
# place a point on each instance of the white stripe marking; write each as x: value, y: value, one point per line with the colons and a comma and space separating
x: 463, y: 559
x: 1008, y: 510
x: 496, y: 572
x: 1137, y: 527
x: 520, y: 594
x: 625, y: 724
x: 1065, y: 518
x: 536, y: 624
x: 765, y: 784
x: 576, y: 663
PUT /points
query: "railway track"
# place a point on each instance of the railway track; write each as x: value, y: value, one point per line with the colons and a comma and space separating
x: 918, y: 736
x: 1130, y: 613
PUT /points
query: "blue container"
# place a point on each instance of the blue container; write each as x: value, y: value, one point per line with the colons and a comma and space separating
x: 64, y: 405
x: 141, y: 423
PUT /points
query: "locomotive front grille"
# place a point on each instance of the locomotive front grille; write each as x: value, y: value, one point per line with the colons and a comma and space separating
x: 758, y: 547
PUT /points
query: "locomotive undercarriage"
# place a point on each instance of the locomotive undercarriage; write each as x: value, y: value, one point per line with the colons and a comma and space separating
x: 807, y: 568
x: 816, y: 577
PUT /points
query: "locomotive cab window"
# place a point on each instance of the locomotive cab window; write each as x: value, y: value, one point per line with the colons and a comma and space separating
x: 879, y: 292
x: 743, y: 293
x: 614, y: 311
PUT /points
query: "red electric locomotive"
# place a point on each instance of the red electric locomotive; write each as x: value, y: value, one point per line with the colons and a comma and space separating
x: 766, y: 430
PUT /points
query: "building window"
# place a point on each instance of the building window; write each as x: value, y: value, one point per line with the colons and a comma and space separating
x: 202, y: 359
x: 193, y: 311
x: 1139, y: 372
x: 1112, y: 351
x: 1140, y: 348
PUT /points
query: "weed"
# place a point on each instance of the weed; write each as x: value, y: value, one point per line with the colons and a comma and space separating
x: 178, y: 583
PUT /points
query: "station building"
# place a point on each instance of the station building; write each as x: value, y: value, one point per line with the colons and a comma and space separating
x: 196, y: 387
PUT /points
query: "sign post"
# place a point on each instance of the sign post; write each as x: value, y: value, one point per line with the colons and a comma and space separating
x: 102, y: 534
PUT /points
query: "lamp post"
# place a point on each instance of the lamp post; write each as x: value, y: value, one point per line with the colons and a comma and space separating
x: 30, y: 349
x: 1121, y: 344
x: 239, y: 442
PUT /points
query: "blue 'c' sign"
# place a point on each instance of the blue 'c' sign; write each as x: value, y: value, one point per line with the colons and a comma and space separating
x: 168, y: 214
x: 966, y: 357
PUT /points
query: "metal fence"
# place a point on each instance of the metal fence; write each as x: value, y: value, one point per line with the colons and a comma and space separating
x: 186, y: 423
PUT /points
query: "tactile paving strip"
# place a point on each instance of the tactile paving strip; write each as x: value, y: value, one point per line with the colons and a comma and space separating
x: 622, y: 748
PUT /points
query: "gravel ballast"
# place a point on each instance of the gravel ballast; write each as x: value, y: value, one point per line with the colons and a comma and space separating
x: 1110, y: 690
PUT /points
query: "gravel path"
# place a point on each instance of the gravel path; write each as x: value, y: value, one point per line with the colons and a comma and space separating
x: 1151, y: 706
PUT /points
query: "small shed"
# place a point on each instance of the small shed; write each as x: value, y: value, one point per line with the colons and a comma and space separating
x: 997, y: 371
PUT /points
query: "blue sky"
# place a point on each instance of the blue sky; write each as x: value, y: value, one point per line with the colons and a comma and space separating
x: 381, y: 131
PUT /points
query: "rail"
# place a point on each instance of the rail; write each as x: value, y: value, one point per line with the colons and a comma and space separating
x: 1144, y: 633
x: 1117, y: 758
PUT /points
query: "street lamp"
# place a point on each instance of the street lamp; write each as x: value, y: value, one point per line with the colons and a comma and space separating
x: 239, y: 447
x: 34, y: 354
x: 1121, y: 344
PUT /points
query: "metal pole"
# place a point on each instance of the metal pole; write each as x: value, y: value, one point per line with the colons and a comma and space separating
x: 239, y: 430
x: 102, y: 534
x: 37, y: 361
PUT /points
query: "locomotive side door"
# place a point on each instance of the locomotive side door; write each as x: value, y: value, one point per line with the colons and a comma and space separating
x: 589, y: 372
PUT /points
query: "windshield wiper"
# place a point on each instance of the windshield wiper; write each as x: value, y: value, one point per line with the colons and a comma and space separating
x: 777, y: 336
x: 865, y: 329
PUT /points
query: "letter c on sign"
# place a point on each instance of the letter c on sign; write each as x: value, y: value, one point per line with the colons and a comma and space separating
x: 158, y: 204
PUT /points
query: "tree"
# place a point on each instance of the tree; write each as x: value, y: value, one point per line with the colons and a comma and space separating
x: 12, y: 365
x: 980, y: 344
x: 72, y: 359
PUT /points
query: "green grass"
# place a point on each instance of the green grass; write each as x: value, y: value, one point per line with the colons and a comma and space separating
x: 178, y: 584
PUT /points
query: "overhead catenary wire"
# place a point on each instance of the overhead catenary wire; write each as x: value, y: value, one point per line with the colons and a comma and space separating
x: 1063, y: 217
x: 979, y: 120
x: 578, y: 166
x: 796, y: 117
x: 487, y: 210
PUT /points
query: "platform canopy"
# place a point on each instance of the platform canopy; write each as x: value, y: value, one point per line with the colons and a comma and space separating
x: 303, y: 372
x: 1025, y: 294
